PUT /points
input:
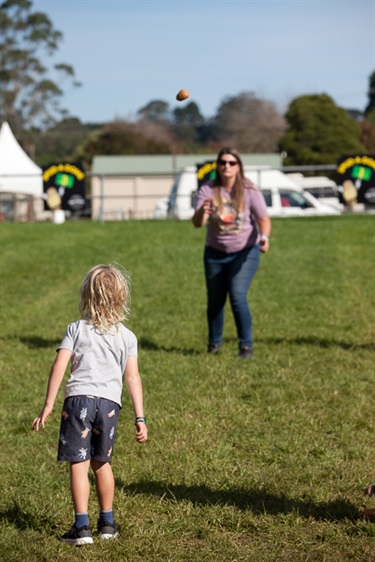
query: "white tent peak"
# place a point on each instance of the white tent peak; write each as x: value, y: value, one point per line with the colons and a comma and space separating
x: 18, y: 172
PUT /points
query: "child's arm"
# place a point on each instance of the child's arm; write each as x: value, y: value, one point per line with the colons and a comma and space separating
x: 134, y: 385
x: 55, y: 378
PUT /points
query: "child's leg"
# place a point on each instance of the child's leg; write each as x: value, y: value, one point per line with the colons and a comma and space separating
x: 80, y: 533
x: 105, y: 489
x: 105, y: 483
x: 80, y: 485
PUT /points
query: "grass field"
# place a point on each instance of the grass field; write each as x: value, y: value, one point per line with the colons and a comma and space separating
x: 254, y: 461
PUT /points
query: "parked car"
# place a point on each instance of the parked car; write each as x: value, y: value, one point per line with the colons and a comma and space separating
x: 287, y: 202
x: 320, y: 187
x: 284, y: 198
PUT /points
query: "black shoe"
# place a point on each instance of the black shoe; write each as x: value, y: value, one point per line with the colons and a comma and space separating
x: 77, y: 537
x: 107, y: 530
x: 245, y: 353
x: 213, y: 348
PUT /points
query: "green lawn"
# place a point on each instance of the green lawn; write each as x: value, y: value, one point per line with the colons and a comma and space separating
x: 257, y: 461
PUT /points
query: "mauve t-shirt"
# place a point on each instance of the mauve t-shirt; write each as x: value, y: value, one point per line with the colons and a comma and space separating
x: 231, y: 231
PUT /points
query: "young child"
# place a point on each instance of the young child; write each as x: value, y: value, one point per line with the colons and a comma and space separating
x: 101, y: 351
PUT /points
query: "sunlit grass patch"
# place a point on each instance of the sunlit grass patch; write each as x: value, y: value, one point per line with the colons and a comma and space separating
x: 261, y: 460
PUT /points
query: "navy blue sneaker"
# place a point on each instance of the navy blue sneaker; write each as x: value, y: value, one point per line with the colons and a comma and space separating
x: 107, y: 530
x: 213, y: 348
x: 78, y: 537
x: 245, y: 353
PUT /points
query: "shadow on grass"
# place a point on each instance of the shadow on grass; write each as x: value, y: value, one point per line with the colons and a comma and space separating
x: 318, y: 342
x: 33, y: 342
x: 36, y: 342
x: 315, y: 341
x: 39, y: 343
x: 256, y: 501
x: 22, y: 520
x: 145, y: 343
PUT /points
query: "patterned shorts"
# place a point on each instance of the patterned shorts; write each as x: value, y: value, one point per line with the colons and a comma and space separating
x: 88, y: 429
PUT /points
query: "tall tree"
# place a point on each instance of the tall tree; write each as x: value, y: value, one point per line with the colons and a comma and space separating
x: 368, y: 123
x: 121, y: 137
x: 155, y: 110
x: 368, y: 132
x: 319, y: 132
x: 188, y: 122
x: 28, y: 94
x: 371, y: 95
x: 248, y: 123
x: 58, y: 142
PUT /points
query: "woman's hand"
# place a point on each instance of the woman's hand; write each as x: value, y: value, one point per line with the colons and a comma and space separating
x: 201, y: 215
x: 264, y: 225
x: 207, y: 206
x: 264, y: 245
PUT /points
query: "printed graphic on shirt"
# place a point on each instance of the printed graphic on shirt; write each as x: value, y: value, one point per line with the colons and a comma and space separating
x: 229, y: 221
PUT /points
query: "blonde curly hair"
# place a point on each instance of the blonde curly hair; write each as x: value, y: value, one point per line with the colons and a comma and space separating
x: 105, y: 297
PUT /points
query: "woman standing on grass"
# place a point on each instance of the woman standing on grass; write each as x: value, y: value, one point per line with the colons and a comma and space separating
x: 232, y: 207
x: 101, y: 350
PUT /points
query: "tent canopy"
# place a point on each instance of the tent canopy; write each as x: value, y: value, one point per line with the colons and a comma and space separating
x: 18, y: 173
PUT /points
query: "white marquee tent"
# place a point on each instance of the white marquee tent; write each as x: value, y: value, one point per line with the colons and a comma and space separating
x: 18, y: 173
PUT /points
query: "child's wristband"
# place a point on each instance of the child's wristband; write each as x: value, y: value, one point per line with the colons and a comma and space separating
x: 140, y: 420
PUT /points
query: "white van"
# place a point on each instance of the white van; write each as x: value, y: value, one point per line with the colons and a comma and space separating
x: 284, y: 198
x: 320, y: 187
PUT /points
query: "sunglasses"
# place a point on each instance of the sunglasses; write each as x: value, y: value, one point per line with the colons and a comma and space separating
x: 230, y: 162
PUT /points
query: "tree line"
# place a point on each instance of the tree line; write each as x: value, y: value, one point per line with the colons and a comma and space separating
x: 314, y: 130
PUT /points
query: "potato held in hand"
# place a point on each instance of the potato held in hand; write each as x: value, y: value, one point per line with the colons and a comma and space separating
x: 182, y: 95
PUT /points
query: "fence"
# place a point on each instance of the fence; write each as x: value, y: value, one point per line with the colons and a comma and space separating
x: 118, y: 197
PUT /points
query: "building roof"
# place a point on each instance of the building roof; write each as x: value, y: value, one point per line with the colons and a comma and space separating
x: 168, y: 164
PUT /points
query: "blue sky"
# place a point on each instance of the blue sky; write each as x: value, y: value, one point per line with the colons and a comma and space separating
x: 127, y: 53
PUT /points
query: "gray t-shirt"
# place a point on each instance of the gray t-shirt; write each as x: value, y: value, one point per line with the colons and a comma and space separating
x: 98, y: 360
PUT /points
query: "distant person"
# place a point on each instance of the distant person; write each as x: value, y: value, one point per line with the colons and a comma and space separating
x: 101, y: 350
x: 234, y: 209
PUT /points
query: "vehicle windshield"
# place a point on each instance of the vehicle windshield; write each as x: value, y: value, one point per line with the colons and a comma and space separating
x: 322, y: 192
x: 267, y: 197
x: 294, y: 199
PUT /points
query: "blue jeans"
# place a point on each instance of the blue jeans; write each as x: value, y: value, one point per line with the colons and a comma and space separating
x: 230, y: 274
